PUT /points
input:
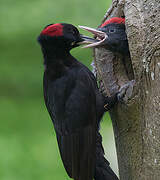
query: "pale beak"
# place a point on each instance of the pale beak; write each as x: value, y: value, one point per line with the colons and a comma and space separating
x: 86, y: 40
x: 101, y: 37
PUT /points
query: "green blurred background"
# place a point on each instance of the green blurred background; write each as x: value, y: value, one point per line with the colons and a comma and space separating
x: 28, y: 147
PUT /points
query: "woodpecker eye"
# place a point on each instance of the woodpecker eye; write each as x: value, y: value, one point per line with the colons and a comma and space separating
x: 112, y: 30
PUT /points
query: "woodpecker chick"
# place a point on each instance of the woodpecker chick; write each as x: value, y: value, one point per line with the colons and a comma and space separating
x: 111, y: 35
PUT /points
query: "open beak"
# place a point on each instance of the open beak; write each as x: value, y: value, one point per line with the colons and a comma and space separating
x: 101, y: 37
x: 86, y: 40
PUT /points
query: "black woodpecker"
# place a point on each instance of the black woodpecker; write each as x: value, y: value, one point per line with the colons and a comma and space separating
x: 75, y: 104
x: 112, y: 36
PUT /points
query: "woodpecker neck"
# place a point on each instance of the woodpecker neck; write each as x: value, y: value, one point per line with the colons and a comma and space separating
x: 56, y: 61
x: 54, y: 53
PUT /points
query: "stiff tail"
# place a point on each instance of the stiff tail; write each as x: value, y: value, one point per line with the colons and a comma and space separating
x: 103, y: 171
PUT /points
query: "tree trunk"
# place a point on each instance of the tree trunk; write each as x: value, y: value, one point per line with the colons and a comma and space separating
x: 136, y: 123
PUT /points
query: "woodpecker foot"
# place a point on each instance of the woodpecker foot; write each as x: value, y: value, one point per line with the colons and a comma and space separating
x: 101, y: 87
x: 94, y: 70
x: 125, y: 92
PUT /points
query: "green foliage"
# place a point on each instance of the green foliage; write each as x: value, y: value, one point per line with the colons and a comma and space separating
x: 28, y: 147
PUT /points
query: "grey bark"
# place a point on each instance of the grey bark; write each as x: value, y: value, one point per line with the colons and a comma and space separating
x: 136, y: 123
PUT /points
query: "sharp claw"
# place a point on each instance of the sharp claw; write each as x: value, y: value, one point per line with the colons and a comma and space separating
x: 94, y: 70
x: 125, y: 92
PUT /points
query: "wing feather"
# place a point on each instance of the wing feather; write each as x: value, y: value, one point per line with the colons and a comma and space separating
x: 75, y: 122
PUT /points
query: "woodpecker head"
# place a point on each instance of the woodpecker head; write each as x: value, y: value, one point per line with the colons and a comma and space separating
x: 111, y: 35
x: 60, y: 37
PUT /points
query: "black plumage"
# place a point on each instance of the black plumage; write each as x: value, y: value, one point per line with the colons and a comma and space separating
x: 75, y: 105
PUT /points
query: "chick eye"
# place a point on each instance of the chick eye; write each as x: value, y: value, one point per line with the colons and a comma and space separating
x: 70, y: 30
x: 112, y: 30
x: 74, y: 32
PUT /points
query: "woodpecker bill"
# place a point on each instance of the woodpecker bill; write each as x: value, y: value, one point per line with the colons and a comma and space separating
x: 101, y: 37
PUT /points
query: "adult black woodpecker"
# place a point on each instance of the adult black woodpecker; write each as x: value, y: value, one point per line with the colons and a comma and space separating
x: 75, y: 104
x: 111, y: 35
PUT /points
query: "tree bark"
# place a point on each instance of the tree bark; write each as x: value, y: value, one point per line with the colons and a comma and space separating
x: 136, y: 123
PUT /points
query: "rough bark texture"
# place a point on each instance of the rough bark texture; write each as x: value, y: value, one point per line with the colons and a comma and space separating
x: 136, y: 123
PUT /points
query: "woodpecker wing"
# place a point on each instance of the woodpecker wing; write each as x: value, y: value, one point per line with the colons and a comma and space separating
x: 75, y: 124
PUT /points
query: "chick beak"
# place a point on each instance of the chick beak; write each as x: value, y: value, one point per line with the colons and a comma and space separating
x: 101, y: 37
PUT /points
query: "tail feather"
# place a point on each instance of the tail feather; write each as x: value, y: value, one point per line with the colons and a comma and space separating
x: 103, y: 170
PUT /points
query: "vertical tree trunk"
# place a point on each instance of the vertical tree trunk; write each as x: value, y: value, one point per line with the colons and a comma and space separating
x: 136, y: 123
